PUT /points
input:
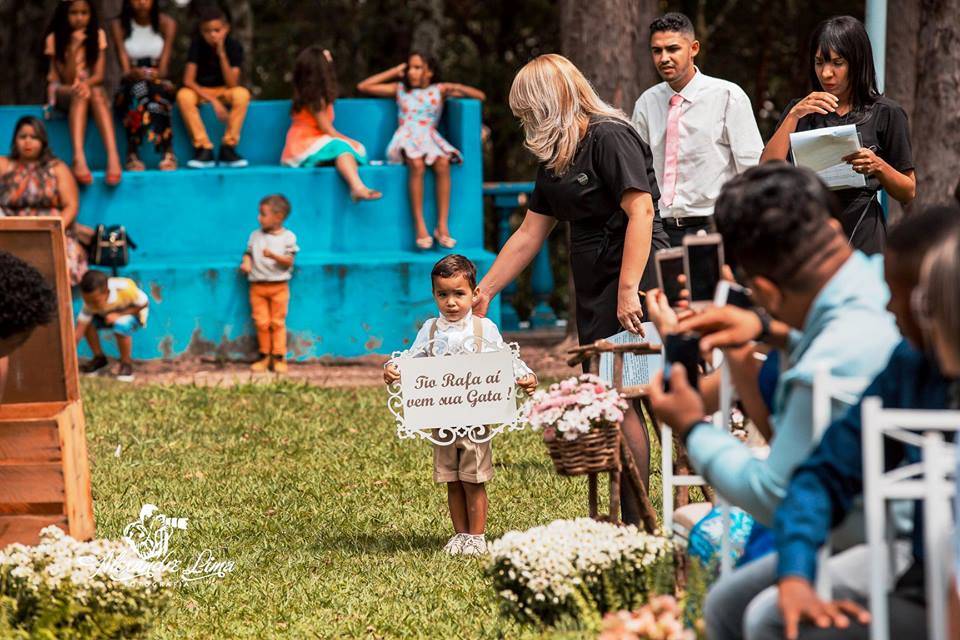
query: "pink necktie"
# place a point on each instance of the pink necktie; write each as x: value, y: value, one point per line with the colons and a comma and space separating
x: 672, y: 150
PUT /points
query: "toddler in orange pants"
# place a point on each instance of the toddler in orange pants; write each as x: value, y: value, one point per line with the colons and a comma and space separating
x: 268, y: 263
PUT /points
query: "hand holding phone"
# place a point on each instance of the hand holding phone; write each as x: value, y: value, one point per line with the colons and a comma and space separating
x: 702, y: 266
x: 683, y: 348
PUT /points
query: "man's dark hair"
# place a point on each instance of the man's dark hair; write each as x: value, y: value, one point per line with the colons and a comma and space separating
x: 775, y: 218
x: 93, y: 281
x: 915, y: 234
x: 27, y: 300
x: 455, y: 265
x: 673, y: 21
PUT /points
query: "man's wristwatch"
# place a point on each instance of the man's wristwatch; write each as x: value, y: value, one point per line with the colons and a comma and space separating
x: 765, y: 321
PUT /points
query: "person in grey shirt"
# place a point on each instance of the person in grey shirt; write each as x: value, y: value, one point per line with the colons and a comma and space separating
x: 268, y: 263
x: 701, y: 130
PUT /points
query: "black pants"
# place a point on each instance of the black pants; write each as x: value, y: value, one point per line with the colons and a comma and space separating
x: 690, y: 227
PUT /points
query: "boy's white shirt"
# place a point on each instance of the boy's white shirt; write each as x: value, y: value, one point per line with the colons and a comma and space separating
x: 451, y: 335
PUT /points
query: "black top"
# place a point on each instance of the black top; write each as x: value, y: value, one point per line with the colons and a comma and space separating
x: 610, y: 159
x: 208, y: 62
x: 883, y: 127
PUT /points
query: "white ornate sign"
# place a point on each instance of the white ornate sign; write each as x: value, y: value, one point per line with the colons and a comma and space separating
x: 458, y: 393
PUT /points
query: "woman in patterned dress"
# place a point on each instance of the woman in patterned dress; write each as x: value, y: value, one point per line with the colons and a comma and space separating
x: 417, y: 142
x: 33, y: 182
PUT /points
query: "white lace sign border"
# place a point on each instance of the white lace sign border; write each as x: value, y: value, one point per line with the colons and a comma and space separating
x: 456, y: 384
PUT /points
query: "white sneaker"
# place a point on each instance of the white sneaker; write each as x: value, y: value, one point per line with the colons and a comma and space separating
x: 474, y: 546
x: 454, y: 546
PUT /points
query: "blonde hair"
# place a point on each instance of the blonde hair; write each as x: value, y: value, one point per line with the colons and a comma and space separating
x: 553, y: 101
x: 940, y: 281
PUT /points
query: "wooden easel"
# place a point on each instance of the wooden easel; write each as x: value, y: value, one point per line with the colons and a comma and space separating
x: 44, y: 472
x: 591, y: 355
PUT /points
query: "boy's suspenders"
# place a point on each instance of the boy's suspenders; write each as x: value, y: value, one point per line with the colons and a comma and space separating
x: 477, y: 332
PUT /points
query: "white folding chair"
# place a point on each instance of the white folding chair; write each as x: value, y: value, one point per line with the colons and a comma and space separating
x: 672, y: 480
x: 930, y: 481
x: 828, y: 390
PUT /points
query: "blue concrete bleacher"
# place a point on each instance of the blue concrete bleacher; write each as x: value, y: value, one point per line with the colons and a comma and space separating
x: 359, y: 285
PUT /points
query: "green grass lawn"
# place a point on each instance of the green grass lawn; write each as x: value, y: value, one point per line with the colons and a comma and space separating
x: 335, y: 525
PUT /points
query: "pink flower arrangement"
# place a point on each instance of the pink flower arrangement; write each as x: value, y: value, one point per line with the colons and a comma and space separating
x: 574, y: 406
x: 659, y: 619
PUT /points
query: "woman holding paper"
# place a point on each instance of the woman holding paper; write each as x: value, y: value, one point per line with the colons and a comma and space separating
x: 841, y: 67
x: 597, y: 174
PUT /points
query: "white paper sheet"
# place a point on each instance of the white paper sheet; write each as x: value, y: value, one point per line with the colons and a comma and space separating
x: 637, y: 370
x: 823, y: 150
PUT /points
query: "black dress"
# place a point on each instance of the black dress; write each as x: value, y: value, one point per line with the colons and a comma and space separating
x: 610, y: 159
x: 883, y: 127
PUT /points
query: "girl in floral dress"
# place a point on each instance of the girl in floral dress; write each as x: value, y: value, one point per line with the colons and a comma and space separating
x: 417, y: 142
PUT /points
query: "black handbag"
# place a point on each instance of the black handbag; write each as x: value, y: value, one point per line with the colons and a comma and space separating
x: 110, y: 247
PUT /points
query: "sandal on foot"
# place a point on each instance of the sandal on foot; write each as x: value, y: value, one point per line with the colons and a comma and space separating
x: 134, y: 163
x: 424, y: 243
x: 83, y: 178
x: 444, y: 241
x: 113, y: 178
x: 168, y: 163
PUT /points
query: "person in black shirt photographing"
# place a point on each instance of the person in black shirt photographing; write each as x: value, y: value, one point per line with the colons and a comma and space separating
x: 845, y: 92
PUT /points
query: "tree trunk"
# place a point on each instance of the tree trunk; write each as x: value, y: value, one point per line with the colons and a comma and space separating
x: 609, y: 42
x: 936, y: 145
x: 924, y: 78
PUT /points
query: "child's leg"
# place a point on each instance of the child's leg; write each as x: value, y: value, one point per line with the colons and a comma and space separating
x: 441, y: 171
x: 93, y: 339
x: 457, y: 502
x: 125, y: 345
x: 347, y: 167
x: 279, y: 304
x: 104, y: 121
x: 476, y: 507
x: 77, y: 122
x: 189, y: 102
x: 238, y: 99
x: 260, y: 307
x: 416, y: 169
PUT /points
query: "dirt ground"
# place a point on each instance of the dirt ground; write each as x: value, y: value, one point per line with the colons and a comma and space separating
x: 544, y: 354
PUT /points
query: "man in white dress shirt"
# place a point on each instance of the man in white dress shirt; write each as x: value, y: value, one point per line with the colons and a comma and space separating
x: 701, y: 130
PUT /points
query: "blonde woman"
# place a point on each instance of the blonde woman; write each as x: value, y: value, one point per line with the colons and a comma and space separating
x: 597, y: 174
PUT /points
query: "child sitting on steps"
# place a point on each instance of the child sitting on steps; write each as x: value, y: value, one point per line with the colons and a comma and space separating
x: 465, y: 466
x: 77, y: 48
x: 312, y: 140
x: 417, y: 142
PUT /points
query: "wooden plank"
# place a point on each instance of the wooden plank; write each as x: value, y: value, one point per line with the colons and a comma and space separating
x: 32, y: 508
x: 29, y: 441
x: 26, y: 529
x: 30, y: 410
x: 45, y: 367
x: 32, y: 483
x: 76, y: 471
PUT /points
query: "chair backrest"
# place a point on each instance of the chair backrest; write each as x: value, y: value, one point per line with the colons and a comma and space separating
x: 930, y: 481
x: 829, y: 390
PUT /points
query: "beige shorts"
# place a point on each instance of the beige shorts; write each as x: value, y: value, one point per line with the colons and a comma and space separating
x: 463, y: 460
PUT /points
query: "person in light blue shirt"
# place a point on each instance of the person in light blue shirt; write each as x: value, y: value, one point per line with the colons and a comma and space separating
x: 777, y: 228
x: 828, y: 302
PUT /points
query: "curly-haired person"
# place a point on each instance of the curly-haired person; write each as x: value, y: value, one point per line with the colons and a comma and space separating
x: 27, y: 301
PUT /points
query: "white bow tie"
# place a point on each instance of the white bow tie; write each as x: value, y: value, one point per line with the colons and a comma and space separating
x: 444, y: 325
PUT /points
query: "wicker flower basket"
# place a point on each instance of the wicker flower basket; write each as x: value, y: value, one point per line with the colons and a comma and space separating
x: 591, y: 452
